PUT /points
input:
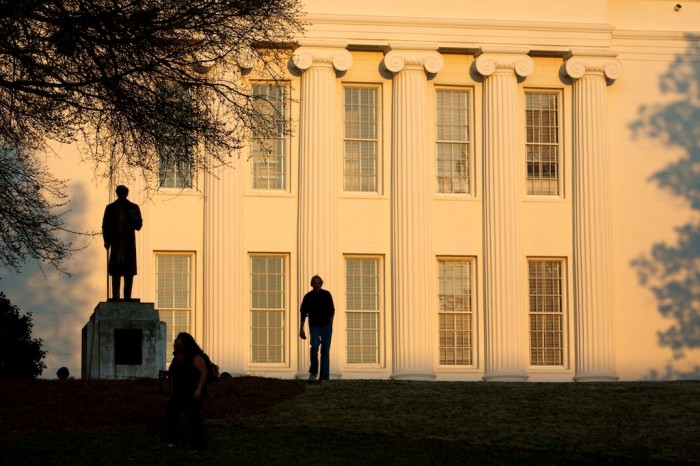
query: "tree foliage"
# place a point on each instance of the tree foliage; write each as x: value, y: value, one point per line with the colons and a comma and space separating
x: 93, y: 72
x: 21, y: 356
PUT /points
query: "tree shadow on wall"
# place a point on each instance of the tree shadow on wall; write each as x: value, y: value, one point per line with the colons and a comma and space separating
x: 672, y: 271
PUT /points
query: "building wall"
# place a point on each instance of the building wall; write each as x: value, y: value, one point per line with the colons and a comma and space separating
x: 647, y: 38
x: 648, y: 213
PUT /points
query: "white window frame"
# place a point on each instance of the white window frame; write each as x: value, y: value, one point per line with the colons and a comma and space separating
x: 460, y: 142
x: 456, y: 313
x: 275, y: 344
x: 270, y: 146
x: 364, y: 323
x: 540, y: 179
x: 548, y: 345
x: 168, y: 310
x: 354, y: 181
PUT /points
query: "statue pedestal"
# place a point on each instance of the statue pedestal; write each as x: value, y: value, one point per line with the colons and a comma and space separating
x: 123, y: 340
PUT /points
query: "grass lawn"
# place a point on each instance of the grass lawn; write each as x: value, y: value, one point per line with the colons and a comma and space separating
x: 253, y: 420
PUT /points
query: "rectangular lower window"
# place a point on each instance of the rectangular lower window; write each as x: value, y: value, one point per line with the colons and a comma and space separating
x: 174, y: 294
x: 363, y: 304
x: 455, y: 311
x: 546, y: 313
x: 542, y: 146
x: 268, y: 288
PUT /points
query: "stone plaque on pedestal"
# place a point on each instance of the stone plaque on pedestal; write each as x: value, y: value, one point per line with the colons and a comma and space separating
x: 123, y: 339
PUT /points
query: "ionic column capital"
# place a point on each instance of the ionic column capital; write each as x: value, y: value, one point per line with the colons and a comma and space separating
x: 328, y: 54
x: 581, y: 62
x: 490, y: 60
x: 421, y: 56
x: 246, y: 58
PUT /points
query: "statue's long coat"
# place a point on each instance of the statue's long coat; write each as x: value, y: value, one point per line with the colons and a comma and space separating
x: 121, y: 220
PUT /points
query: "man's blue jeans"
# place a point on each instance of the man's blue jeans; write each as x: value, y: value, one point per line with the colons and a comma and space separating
x: 321, y: 336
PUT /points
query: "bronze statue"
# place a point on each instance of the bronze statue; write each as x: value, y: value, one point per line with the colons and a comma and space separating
x: 121, y: 220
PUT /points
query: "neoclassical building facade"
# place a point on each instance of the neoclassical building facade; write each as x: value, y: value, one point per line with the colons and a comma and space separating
x: 475, y: 188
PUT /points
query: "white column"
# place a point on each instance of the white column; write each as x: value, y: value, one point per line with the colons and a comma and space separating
x: 413, y: 307
x: 225, y: 321
x: 592, y: 261
x: 505, y: 275
x: 318, y: 180
x: 226, y: 330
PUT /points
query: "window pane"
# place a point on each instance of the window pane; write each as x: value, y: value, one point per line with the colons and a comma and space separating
x: 173, y: 292
x: 175, y: 145
x: 270, y: 140
x: 268, y: 308
x: 363, y: 304
x: 546, y: 313
x: 453, y: 147
x: 455, y: 311
x: 360, y: 140
x: 542, y: 147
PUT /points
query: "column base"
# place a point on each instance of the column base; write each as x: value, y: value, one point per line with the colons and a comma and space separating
x: 505, y: 376
x: 594, y: 376
x: 427, y: 376
x: 232, y: 372
x: 305, y: 376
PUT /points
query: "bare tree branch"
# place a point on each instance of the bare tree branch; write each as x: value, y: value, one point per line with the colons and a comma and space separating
x: 94, y: 71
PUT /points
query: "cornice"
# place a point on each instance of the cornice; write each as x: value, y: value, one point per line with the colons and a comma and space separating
x: 374, y: 33
x: 459, y: 23
x: 635, y: 34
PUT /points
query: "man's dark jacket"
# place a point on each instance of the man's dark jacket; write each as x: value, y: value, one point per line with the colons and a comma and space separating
x: 318, y: 306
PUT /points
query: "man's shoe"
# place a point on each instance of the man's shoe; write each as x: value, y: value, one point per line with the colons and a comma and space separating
x: 312, y: 377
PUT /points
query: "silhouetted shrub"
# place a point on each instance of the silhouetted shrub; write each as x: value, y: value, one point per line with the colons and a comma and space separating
x: 21, y: 356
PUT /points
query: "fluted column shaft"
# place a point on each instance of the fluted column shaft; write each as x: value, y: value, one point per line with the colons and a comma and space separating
x: 318, y: 176
x: 413, y: 308
x: 225, y: 323
x: 592, y: 261
x: 504, y: 264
